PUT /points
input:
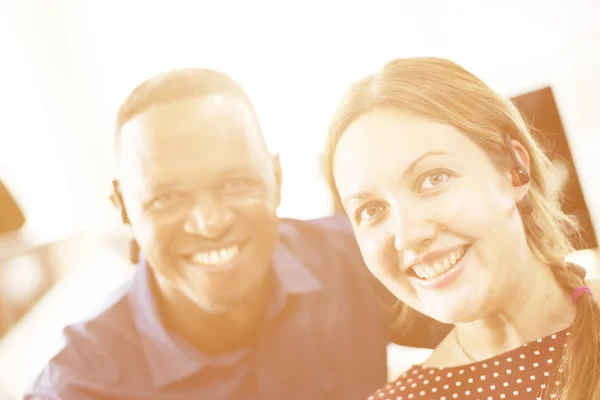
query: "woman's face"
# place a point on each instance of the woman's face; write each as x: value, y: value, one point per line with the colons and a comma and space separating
x: 435, y: 219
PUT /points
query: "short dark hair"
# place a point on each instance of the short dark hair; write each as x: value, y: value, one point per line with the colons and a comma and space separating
x: 177, y: 84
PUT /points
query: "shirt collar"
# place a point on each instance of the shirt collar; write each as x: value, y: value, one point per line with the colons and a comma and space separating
x: 170, y: 358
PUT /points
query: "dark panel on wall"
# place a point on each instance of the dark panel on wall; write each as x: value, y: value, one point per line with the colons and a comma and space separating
x: 540, y: 109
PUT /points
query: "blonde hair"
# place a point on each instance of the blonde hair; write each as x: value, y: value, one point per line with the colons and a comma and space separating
x: 442, y: 91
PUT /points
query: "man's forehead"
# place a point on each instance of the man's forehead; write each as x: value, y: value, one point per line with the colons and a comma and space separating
x: 213, y: 133
x: 218, y: 117
x: 205, y: 109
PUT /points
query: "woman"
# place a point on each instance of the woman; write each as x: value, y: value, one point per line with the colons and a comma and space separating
x: 456, y: 212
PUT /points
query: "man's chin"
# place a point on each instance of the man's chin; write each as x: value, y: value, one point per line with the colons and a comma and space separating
x: 230, y: 298
x: 216, y: 307
x: 220, y: 304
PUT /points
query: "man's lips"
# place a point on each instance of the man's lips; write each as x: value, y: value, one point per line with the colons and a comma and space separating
x: 215, y: 257
x: 221, y: 254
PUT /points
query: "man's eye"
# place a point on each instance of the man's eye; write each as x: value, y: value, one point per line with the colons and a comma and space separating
x: 164, y: 200
x: 434, y: 179
x: 238, y: 185
x: 369, y: 212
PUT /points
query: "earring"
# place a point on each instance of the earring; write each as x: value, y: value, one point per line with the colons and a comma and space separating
x: 525, y: 206
x: 134, y: 252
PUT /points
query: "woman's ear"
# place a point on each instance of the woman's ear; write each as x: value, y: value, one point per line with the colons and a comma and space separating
x: 520, y: 171
x: 523, y: 163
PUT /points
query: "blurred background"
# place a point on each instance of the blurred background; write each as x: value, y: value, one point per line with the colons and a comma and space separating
x: 67, y: 64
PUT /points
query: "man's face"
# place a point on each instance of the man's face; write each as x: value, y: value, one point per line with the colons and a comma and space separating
x: 201, y: 191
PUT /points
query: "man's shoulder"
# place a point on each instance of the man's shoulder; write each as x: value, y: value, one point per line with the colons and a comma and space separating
x: 327, y: 231
x: 326, y: 246
x: 90, y: 349
x: 96, y: 337
x: 328, y: 240
x: 112, y: 322
x: 331, y: 223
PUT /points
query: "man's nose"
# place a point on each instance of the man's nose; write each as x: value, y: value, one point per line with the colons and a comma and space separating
x: 208, y: 218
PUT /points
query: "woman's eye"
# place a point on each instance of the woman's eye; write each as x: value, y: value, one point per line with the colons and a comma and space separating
x: 433, y: 180
x: 369, y: 212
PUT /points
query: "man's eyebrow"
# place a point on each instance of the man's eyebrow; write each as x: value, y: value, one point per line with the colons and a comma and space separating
x: 167, y: 185
x: 157, y: 187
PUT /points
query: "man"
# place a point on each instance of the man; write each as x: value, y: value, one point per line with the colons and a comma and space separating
x: 229, y: 301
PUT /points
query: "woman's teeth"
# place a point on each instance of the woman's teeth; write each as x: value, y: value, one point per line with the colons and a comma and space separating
x: 436, y: 268
x: 215, y: 257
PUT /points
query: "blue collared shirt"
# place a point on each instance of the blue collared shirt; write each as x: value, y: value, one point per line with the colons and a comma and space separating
x: 325, y: 337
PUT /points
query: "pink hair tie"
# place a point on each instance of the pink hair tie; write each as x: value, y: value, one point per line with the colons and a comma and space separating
x: 579, y: 291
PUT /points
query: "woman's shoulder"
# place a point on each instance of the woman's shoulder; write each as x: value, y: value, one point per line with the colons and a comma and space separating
x: 521, y: 370
x: 408, y: 383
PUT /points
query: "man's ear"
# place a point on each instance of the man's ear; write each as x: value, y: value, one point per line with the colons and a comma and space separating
x: 117, y: 199
x: 277, y: 169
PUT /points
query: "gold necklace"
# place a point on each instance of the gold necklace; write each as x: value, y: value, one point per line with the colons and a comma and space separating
x: 461, y: 348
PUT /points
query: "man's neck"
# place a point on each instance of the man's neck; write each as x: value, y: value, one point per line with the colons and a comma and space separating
x: 218, y: 332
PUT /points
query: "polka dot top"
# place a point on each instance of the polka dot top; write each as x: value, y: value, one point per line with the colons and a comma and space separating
x: 523, y: 373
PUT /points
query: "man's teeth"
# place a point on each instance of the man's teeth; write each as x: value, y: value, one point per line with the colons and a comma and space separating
x: 215, y: 257
x: 438, y: 267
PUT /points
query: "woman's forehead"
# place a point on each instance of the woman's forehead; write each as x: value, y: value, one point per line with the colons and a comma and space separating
x: 384, y: 144
x: 388, y: 136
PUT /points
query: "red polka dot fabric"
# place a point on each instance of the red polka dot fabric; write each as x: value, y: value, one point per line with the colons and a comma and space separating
x: 525, y: 373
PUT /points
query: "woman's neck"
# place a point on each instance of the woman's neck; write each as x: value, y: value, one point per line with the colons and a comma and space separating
x: 538, y: 307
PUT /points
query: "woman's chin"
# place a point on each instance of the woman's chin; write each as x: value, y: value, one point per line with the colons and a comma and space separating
x: 459, y: 304
x: 453, y: 315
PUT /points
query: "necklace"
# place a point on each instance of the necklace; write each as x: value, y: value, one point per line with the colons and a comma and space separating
x: 461, y: 348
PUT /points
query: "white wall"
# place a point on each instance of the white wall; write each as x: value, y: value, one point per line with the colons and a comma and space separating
x: 77, y: 60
